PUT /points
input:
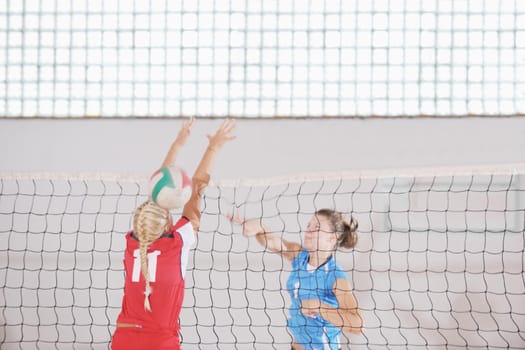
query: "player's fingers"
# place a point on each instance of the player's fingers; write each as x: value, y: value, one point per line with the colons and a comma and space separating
x: 235, y: 218
x: 189, y: 123
x: 233, y: 125
x: 227, y: 126
x: 238, y: 218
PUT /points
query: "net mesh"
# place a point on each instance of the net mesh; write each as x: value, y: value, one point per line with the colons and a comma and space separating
x: 439, y: 262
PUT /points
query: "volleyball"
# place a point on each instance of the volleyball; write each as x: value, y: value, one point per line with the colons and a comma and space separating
x: 170, y: 187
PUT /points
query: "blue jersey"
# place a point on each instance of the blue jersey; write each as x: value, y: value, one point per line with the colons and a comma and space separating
x: 304, y: 283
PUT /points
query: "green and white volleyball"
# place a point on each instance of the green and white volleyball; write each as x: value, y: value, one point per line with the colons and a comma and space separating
x: 170, y: 187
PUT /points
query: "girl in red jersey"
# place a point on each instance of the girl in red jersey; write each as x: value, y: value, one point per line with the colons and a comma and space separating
x: 156, y: 256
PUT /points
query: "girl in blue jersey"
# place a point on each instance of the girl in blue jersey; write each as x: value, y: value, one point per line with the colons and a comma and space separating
x: 322, y: 301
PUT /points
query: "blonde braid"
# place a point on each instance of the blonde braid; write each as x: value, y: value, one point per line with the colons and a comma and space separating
x: 143, y: 250
x: 149, y: 223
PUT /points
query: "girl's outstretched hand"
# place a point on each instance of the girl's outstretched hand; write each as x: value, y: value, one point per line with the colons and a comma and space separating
x: 184, y: 132
x: 250, y: 227
x: 223, y: 134
x: 180, y: 140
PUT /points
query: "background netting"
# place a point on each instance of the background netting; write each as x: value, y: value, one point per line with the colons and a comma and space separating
x: 61, y: 58
x: 439, y: 264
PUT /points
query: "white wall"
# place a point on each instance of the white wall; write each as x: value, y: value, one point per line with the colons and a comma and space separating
x: 263, y: 147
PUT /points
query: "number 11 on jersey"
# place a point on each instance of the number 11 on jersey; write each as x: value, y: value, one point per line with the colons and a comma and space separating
x: 152, y: 265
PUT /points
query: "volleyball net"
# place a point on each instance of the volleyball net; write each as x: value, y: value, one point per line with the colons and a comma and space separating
x: 439, y: 262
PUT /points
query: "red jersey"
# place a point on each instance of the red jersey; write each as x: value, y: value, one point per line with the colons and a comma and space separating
x: 167, y: 261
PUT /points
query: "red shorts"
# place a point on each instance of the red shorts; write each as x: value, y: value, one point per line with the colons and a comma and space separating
x: 130, y: 338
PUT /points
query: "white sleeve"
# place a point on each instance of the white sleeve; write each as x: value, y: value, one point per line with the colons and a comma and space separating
x: 188, y: 238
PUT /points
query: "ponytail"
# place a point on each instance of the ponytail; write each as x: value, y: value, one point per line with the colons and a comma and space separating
x: 149, y: 223
x: 348, y: 238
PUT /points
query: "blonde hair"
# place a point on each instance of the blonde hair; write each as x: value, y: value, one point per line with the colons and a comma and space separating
x: 149, y: 223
